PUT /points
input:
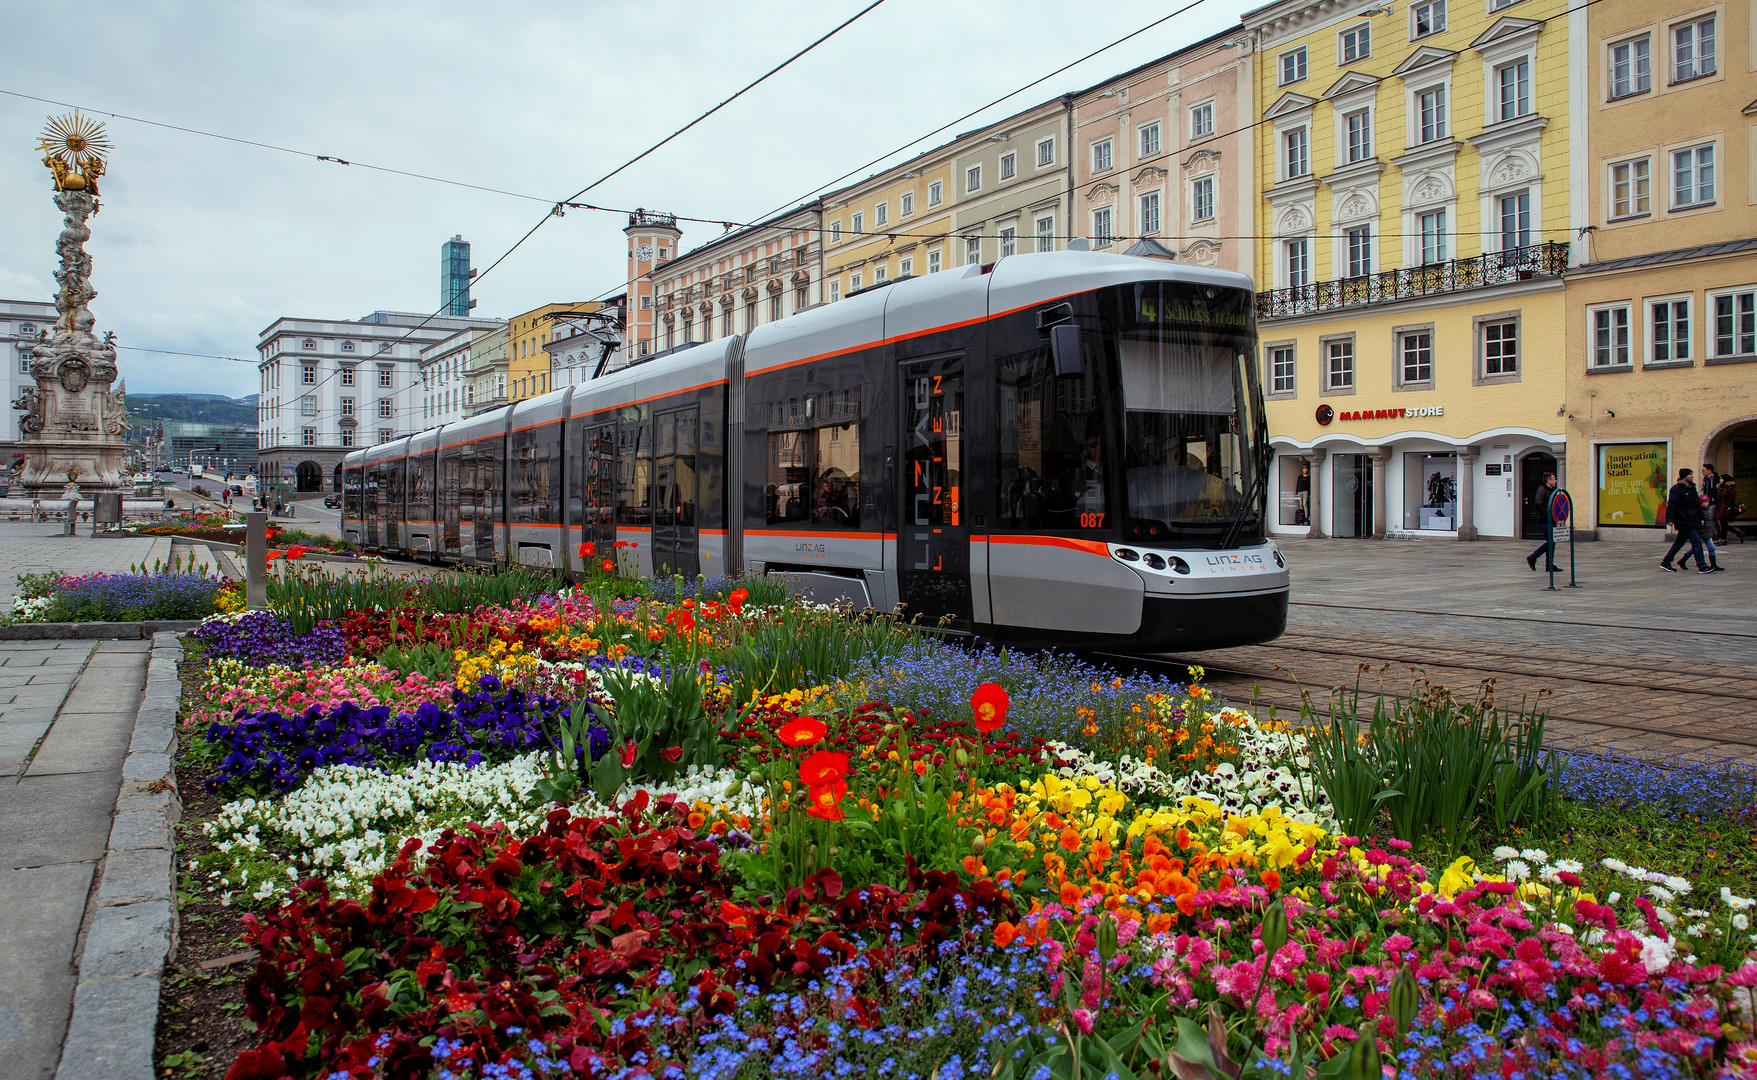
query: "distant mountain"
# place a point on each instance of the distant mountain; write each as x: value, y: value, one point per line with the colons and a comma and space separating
x: 203, y: 408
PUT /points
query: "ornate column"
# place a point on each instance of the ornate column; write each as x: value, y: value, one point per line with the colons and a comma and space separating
x: 1381, y: 456
x: 1314, y: 513
x: 1467, y: 493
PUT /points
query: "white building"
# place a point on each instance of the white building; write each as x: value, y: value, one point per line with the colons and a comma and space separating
x: 448, y: 380
x: 21, y: 323
x: 577, y: 346
x: 329, y: 386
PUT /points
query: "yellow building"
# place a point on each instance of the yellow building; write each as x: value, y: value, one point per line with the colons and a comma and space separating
x: 527, y: 373
x: 891, y: 225
x: 1412, y: 161
x: 1662, y: 316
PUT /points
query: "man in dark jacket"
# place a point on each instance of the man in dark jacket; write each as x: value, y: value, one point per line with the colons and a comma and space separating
x: 1683, y: 509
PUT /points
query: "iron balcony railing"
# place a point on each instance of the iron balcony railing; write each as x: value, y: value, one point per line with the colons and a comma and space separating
x: 1413, y: 282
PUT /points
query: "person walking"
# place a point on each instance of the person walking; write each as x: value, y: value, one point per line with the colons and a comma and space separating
x: 1548, y: 548
x: 1683, y: 509
x: 1726, y: 505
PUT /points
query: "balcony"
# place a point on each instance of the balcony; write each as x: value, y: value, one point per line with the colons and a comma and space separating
x: 1415, y: 282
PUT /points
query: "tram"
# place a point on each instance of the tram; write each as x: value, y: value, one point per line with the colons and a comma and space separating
x: 1059, y: 448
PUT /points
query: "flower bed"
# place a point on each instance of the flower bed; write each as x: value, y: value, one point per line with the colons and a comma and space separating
x: 722, y: 834
x: 139, y: 596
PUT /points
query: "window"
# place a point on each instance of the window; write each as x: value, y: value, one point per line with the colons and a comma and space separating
x: 1049, y: 444
x: 882, y: 213
x: 1630, y: 183
x: 1046, y: 233
x: 308, y: 374
x: 1693, y: 50
x: 1426, y: 18
x: 1293, y: 66
x: 1202, y: 199
x: 347, y: 376
x: 973, y: 178
x: 1735, y: 323
x: 934, y: 259
x: 1009, y: 165
x: 879, y: 273
x: 1202, y: 120
x: 347, y: 406
x: 1281, y: 369
x: 1360, y: 135
x: 1101, y: 156
x: 1298, y: 154
x: 835, y: 231
x: 750, y: 316
x: 308, y: 343
x: 835, y: 294
x: 1299, y: 263
x: 1630, y: 73
x: 347, y: 436
x: 1338, y: 364
x: 308, y: 405
x: 1360, y: 251
x: 1101, y: 227
x: 24, y: 365
x: 726, y: 322
x: 905, y: 267
x: 935, y: 193
x: 1150, y: 139
x: 1415, y: 357
x: 1150, y: 212
x: 387, y: 434
x: 801, y: 298
x: 774, y: 306
x: 308, y: 436
x: 384, y: 407
x: 906, y: 204
x: 1355, y: 43
x: 1499, y: 337
x: 26, y: 329
x: 1515, y: 221
x: 853, y: 282
x: 1669, y: 342
x: 1433, y: 237
x: 384, y: 376
x: 347, y: 346
x: 1513, y: 99
x: 857, y: 224
x: 1009, y: 240
x: 1692, y: 177
x: 1045, y: 152
x: 1431, y: 104
x: 972, y: 250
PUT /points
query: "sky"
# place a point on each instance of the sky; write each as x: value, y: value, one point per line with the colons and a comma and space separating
x: 201, y: 243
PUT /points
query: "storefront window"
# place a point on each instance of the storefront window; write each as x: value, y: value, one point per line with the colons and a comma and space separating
x: 1632, y: 485
x: 1295, y: 486
x: 1430, y: 491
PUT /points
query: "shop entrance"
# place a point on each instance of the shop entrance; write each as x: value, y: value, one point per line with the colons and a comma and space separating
x: 1532, y: 498
x: 1351, y: 496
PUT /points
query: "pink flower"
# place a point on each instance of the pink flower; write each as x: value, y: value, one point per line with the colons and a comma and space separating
x: 1317, y: 984
x: 1083, y: 1020
x: 1397, y: 944
x: 1089, y: 984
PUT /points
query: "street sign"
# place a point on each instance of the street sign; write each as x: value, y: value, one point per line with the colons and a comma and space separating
x: 1561, y: 511
x: 1564, y: 534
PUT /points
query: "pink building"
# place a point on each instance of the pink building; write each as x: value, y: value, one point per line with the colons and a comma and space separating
x: 1164, y: 153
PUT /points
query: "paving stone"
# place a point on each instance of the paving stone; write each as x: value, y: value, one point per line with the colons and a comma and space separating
x: 46, y: 820
x: 111, y: 1034
x: 145, y: 768
x: 43, y: 907
x: 139, y: 829
x: 128, y: 939
x: 133, y: 874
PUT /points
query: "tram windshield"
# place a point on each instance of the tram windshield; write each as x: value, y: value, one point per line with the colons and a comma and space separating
x: 1191, y: 422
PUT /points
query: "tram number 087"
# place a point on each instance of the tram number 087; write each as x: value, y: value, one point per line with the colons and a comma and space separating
x: 1091, y: 521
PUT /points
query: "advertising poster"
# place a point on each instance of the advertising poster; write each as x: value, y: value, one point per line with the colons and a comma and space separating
x: 1632, y: 485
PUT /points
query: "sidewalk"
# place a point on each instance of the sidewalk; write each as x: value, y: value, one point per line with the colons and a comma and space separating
x: 36, y: 547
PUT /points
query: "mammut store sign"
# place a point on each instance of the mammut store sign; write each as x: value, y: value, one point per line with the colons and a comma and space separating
x: 1326, y: 414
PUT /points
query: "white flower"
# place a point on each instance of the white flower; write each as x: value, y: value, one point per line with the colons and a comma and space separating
x: 1518, y: 869
x: 1741, y: 921
x: 1656, y: 953
x: 1504, y: 853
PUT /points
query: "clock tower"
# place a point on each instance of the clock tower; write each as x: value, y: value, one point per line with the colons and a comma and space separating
x: 652, y: 240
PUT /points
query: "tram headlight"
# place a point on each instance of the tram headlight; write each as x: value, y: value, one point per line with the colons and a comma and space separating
x: 1279, y: 561
x: 1128, y: 554
x: 1178, y: 566
x: 1153, y: 561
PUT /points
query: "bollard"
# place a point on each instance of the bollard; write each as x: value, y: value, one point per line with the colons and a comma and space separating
x: 255, y: 561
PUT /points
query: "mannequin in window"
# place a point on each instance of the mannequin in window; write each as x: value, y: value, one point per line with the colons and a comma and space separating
x: 1302, y: 489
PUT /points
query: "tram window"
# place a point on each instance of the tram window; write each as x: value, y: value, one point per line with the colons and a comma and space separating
x: 787, y: 486
x: 634, y: 474
x: 421, y: 487
x: 534, y: 495
x: 1052, y: 452
x: 836, y: 498
x: 812, y: 474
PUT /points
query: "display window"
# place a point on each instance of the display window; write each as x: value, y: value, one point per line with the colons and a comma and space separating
x: 1430, y: 492
x: 1295, y: 487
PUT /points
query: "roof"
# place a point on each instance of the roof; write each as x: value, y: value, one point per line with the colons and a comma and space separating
x: 1656, y: 258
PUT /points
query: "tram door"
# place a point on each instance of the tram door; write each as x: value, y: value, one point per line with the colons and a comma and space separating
x: 674, y: 496
x: 933, y: 540
x: 450, y: 492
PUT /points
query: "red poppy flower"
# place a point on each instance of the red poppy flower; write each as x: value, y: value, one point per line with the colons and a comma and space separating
x: 609, y: 566
x: 629, y: 750
x: 825, y: 801
x: 273, y: 555
x: 684, y: 621
x: 989, y: 706
x: 823, y: 767
x: 802, y: 731
x: 672, y: 753
x: 737, y: 599
x: 586, y: 551
x: 297, y: 551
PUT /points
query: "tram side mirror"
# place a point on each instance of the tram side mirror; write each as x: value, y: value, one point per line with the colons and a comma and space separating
x: 1066, y: 350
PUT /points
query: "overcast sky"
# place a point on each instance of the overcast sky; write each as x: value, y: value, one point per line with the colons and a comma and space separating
x: 202, y: 243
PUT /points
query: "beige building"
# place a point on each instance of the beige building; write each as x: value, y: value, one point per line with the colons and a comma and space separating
x: 737, y: 282
x: 894, y: 224
x: 1165, y: 152
x: 1662, y: 315
x: 1012, y: 184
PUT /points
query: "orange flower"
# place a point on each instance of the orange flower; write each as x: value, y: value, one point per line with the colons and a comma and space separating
x: 921, y: 768
x: 826, y: 801
x: 1070, y: 840
x: 1183, y: 839
x: 1271, y: 880
x: 823, y: 767
x: 989, y: 706
x: 608, y: 565
x: 273, y: 555
x: 585, y: 551
x: 1004, y: 933
x: 297, y: 551
x: 696, y: 820
x: 802, y: 731
x: 1071, y: 894
x: 737, y: 599
x: 1100, y: 853
x: 973, y: 866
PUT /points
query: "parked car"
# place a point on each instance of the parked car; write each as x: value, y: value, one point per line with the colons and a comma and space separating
x: 333, y: 501
x: 237, y: 491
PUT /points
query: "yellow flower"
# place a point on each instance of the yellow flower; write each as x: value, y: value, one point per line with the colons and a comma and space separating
x: 1459, y: 876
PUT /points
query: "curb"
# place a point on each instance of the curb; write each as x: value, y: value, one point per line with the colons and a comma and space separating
x: 109, y: 631
x: 134, y: 915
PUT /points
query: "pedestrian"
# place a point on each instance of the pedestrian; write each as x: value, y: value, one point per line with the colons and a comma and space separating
x: 1710, y: 488
x: 1302, y: 489
x: 1683, y: 511
x: 1548, y: 548
x: 1726, y: 505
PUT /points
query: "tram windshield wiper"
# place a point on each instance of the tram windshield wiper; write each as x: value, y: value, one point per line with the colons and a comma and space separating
x: 1236, y: 523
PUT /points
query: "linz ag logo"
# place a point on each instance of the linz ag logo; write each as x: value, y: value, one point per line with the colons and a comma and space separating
x: 808, y: 549
x: 1246, y: 563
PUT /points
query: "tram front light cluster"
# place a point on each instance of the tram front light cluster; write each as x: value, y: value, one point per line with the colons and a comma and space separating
x: 1153, y: 560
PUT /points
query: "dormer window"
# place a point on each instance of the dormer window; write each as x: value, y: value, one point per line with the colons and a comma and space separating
x: 347, y: 346
x: 308, y: 343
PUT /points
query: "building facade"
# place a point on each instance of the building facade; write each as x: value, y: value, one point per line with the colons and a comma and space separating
x: 580, y: 342
x: 1165, y: 152
x: 653, y: 240
x: 454, y: 277
x: 1662, y: 315
x: 737, y: 282
x: 446, y: 379
x: 894, y: 224
x: 489, y: 371
x: 528, y: 365
x: 329, y: 386
x: 219, y: 447
x: 22, y: 322
x: 1413, y: 177
x: 1013, y: 185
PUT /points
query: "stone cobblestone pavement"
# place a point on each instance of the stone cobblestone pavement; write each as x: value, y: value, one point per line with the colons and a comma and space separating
x: 33, y: 548
x: 67, y: 712
x: 1636, y: 660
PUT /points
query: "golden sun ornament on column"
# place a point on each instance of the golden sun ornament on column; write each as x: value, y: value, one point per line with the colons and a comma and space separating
x: 74, y: 148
